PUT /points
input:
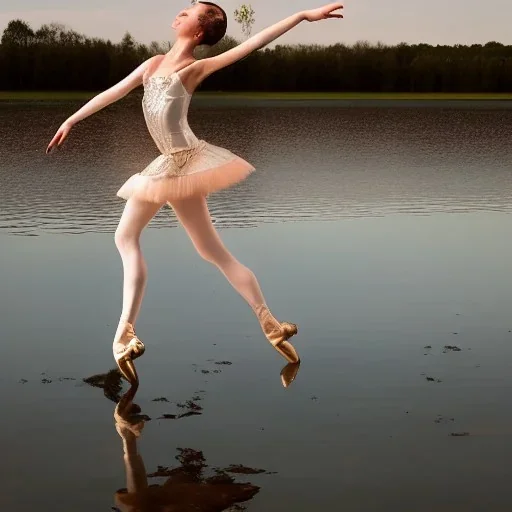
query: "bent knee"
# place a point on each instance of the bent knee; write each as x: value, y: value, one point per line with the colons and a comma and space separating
x: 124, y: 239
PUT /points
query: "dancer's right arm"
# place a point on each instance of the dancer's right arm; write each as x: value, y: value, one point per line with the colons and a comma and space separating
x: 209, y: 65
x: 101, y: 100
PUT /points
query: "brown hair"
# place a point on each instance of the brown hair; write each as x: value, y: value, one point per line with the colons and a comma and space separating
x: 214, y: 23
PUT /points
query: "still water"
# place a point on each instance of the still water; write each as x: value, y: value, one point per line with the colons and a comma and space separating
x: 384, y: 233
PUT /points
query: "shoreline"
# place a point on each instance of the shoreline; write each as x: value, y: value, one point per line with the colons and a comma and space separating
x: 274, y: 96
x: 205, y: 100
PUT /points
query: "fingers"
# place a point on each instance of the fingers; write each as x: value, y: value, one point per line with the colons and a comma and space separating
x: 51, y: 146
x: 57, y: 140
x: 333, y: 7
x: 52, y: 142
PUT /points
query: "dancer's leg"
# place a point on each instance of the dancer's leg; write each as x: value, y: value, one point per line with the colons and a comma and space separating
x: 136, y: 216
x: 194, y: 216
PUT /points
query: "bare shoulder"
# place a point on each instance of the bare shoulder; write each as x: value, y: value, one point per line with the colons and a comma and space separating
x: 152, y: 62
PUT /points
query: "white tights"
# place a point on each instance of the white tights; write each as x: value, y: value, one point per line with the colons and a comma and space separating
x: 194, y: 216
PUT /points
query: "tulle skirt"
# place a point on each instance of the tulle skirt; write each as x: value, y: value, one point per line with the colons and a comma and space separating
x: 200, y: 170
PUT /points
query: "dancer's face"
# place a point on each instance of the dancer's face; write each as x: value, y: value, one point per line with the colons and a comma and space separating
x: 186, y: 23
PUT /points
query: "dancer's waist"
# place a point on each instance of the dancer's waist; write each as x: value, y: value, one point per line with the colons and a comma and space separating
x: 191, y: 147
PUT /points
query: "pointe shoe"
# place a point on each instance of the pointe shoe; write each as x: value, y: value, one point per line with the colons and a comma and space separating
x: 125, y: 354
x: 277, y: 333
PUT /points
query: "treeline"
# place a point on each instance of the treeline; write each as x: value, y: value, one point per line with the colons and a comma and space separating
x: 54, y: 57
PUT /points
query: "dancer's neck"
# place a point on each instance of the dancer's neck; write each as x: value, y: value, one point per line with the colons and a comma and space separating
x: 182, y: 50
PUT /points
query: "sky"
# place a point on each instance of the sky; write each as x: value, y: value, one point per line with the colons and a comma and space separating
x: 391, y: 22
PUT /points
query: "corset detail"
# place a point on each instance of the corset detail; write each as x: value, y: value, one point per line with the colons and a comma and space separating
x: 165, y: 106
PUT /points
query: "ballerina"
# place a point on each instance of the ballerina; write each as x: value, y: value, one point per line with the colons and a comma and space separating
x: 188, y: 169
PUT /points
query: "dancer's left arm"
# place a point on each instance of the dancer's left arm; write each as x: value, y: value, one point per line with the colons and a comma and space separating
x: 100, y: 101
x: 261, y: 39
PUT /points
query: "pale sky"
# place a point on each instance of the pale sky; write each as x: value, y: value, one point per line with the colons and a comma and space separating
x: 391, y: 22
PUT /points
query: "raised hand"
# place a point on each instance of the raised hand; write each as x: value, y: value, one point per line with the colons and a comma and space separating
x: 59, y: 137
x: 323, y: 13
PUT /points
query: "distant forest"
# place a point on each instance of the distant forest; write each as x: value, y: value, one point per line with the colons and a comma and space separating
x: 55, y: 57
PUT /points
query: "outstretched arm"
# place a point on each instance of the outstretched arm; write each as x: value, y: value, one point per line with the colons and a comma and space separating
x: 101, y: 100
x: 261, y: 39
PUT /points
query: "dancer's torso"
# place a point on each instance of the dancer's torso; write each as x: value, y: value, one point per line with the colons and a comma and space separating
x: 165, y: 105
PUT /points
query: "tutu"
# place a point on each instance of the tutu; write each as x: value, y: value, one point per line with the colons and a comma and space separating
x: 187, y: 166
x: 198, y: 171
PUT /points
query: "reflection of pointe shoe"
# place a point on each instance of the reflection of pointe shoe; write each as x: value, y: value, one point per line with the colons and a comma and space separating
x: 129, y: 421
x: 278, y: 333
x: 288, y: 373
x: 124, y: 354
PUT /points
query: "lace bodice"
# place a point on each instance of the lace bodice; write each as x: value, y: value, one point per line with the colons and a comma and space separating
x: 165, y: 105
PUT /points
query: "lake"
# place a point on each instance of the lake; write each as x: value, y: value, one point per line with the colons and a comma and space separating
x: 382, y: 231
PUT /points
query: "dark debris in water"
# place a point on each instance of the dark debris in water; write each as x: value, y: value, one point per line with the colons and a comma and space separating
x: 48, y: 380
x: 452, y: 348
x: 189, y: 404
x: 193, y: 410
x: 110, y: 382
x: 189, y: 413
x: 432, y: 379
x: 243, y: 470
x: 218, y: 363
x: 459, y: 434
x: 179, y: 416
x: 161, y: 399
x: 22, y: 381
x: 188, y: 488
x: 442, y: 419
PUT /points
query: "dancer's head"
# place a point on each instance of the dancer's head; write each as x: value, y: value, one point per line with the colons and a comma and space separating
x: 202, y: 22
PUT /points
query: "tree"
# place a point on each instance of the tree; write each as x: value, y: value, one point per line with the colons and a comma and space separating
x: 52, y: 33
x: 18, y: 33
x: 128, y: 43
x: 245, y: 16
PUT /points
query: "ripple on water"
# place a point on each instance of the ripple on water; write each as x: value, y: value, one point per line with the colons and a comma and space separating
x: 312, y: 164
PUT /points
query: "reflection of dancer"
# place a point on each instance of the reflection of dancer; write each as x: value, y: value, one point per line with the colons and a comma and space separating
x: 186, y: 489
x: 188, y: 169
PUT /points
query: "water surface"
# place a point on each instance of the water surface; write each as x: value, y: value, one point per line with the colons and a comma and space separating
x: 383, y: 233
